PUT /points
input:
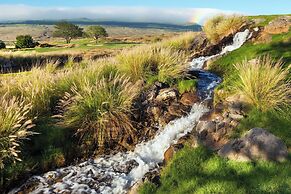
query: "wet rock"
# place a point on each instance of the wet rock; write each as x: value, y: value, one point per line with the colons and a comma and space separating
x: 127, y: 167
x: 236, y: 117
x: 156, y: 112
x: 190, y: 140
x: 209, y: 126
x: 256, y: 144
x: 189, y: 98
x: 167, y: 94
x: 176, y: 110
x: 135, y: 187
x: 153, y: 177
x: 170, y: 152
x: 166, y: 118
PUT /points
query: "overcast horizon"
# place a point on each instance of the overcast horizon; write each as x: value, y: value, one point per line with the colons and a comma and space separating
x: 170, y: 11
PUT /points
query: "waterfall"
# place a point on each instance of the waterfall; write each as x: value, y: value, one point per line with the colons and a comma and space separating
x: 238, y: 40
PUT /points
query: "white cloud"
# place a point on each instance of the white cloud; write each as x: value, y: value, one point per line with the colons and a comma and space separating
x: 133, y: 14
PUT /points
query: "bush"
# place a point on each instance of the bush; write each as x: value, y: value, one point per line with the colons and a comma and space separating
x: 264, y: 83
x: 24, y: 41
x: 101, y: 110
x: 2, y: 45
x: 221, y: 26
x: 14, y: 127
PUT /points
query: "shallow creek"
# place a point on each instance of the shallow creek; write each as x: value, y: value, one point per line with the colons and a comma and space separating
x: 117, y: 173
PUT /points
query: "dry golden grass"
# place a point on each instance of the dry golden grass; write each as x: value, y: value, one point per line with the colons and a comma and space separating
x: 101, y: 110
x: 221, y: 26
x: 181, y: 42
x: 14, y: 126
x: 264, y: 83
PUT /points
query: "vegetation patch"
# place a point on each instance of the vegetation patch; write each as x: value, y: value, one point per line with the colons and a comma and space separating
x: 201, y: 171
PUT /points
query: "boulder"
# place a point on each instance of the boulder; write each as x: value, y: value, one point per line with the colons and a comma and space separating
x: 256, y: 144
x: 189, y: 98
x: 167, y: 94
x: 170, y: 152
x: 279, y: 25
x: 209, y: 126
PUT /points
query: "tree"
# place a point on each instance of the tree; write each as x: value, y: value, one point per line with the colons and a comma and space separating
x: 24, y: 41
x: 67, y: 31
x: 96, y: 32
x: 2, y: 45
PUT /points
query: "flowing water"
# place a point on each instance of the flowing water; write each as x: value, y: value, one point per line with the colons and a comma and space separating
x: 117, y: 173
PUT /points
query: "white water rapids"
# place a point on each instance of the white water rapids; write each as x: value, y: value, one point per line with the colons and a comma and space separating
x: 101, y: 175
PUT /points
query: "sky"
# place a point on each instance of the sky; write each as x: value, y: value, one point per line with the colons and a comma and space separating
x: 160, y: 11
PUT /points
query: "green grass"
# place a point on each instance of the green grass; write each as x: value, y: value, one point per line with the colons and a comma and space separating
x: 200, y: 171
x: 83, y: 44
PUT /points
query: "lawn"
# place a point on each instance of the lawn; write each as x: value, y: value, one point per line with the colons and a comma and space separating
x: 84, y: 44
x: 201, y: 171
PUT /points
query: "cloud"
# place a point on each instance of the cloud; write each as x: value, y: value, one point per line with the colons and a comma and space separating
x: 131, y: 14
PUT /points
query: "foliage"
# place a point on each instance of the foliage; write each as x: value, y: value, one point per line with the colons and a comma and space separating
x: 2, y: 45
x: 200, y: 171
x: 96, y: 32
x: 221, y: 26
x: 24, y: 41
x: 101, y: 110
x: 187, y: 85
x: 68, y: 31
x: 14, y: 127
x: 263, y: 83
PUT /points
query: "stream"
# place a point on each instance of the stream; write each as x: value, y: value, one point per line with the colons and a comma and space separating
x: 117, y: 173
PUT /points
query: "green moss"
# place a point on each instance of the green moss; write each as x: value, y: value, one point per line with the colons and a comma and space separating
x: 201, y: 171
x: 187, y: 85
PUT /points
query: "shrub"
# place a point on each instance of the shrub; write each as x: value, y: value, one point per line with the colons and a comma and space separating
x: 221, y: 26
x: 264, y: 83
x: 24, y: 41
x: 14, y: 127
x: 2, y: 45
x: 101, y: 110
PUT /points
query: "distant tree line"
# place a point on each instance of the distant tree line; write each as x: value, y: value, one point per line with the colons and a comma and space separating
x: 65, y: 30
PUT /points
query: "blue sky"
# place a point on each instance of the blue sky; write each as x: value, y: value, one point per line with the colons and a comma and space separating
x: 138, y: 10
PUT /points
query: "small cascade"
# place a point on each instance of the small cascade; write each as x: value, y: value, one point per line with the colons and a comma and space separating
x: 117, y: 173
x: 238, y: 40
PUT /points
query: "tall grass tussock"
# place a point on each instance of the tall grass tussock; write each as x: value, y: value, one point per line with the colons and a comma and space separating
x: 264, y: 83
x: 147, y: 61
x: 221, y: 26
x: 15, y: 126
x: 101, y: 110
